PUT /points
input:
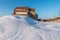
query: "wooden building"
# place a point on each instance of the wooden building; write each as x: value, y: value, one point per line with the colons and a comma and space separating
x: 57, y: 19
x: 25, y: 11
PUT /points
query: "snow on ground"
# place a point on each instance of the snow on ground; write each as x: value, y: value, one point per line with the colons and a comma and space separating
x: 25, y: 28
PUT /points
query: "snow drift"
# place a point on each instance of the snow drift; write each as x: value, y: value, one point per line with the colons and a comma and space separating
x: 25, y: 28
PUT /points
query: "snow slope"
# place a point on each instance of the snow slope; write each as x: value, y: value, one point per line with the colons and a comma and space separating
x: 25, y: 28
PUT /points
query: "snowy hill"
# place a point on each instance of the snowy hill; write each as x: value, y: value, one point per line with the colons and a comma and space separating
x: 25, y: 28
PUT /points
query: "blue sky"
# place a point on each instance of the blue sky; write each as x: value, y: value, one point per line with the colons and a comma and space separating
x: 44, y: 8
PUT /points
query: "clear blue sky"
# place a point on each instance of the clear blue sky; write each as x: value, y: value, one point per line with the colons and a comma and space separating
x: 44, y: 8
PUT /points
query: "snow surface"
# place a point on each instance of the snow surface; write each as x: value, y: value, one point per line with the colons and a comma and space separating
x: 25, y: 28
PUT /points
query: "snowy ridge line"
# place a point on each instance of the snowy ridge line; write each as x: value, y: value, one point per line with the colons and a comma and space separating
x: 25, y: 28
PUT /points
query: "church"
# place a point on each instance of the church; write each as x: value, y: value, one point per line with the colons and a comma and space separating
x: 25, y: 11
